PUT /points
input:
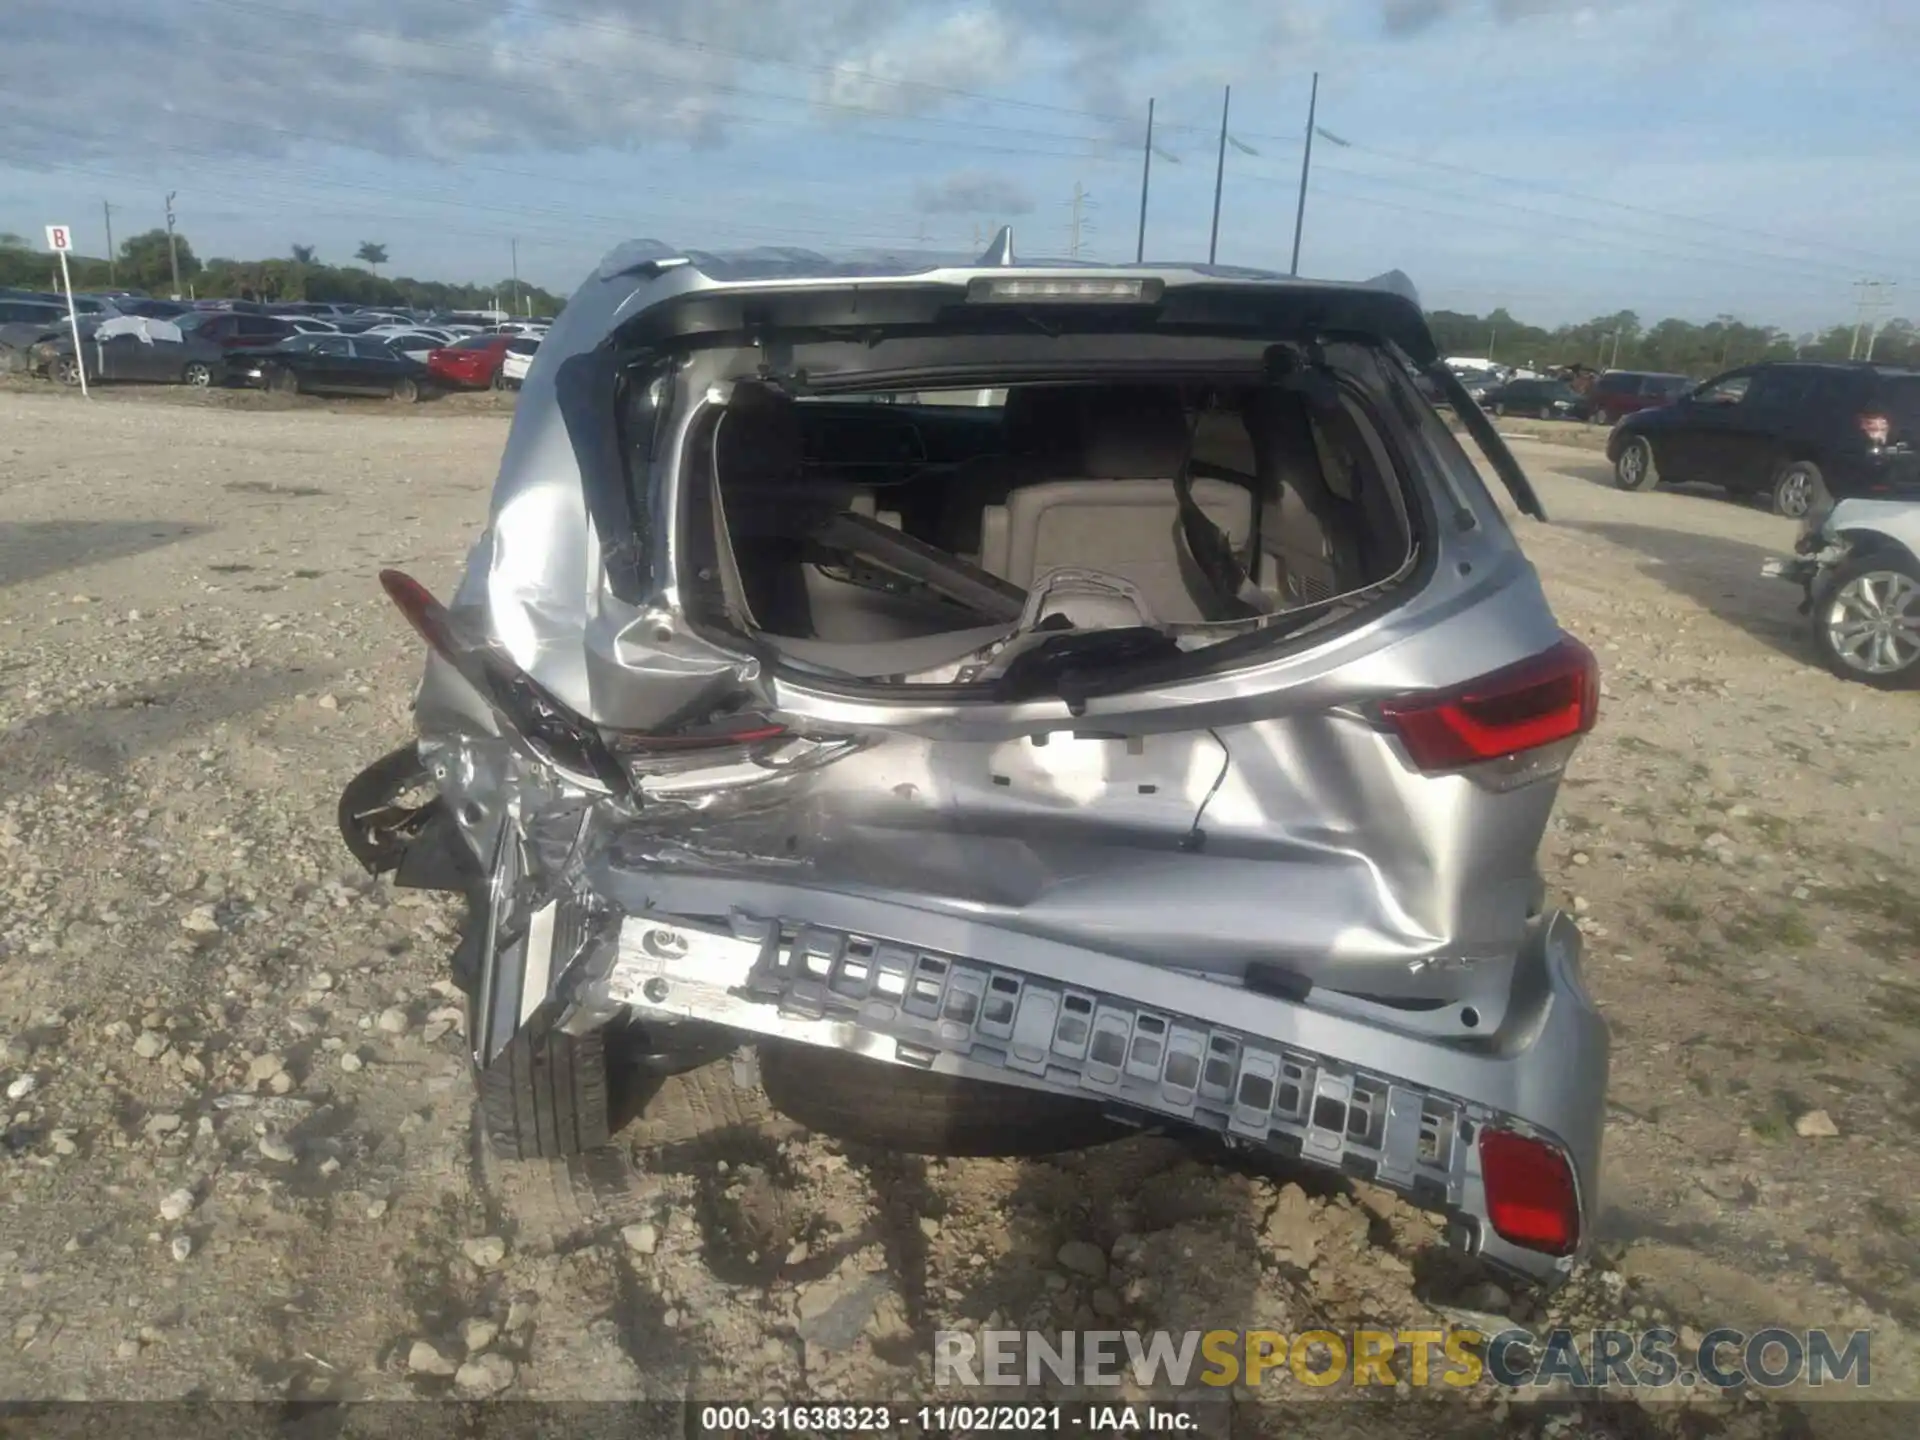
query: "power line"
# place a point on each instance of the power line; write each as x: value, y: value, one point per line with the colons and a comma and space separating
x: 1673, y: 216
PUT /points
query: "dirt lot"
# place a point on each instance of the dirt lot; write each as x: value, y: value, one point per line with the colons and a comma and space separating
x: 237, y: 1161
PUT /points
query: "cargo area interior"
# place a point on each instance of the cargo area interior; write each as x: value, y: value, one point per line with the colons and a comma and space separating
x: 901, y: 536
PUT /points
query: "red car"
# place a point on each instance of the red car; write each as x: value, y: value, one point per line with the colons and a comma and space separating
x: 1621, y: 392
x: 473, y: 362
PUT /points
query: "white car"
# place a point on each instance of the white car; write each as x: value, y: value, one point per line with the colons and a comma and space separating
x: 414, y: 344
x: 518, y: 360
x: 1859, y: 566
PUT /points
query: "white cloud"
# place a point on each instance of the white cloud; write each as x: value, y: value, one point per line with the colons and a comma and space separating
x: 974, y: 192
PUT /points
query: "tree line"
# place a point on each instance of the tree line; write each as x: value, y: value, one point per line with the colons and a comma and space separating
x: 1620, y: 341
x: 145, y: 262
x: 1681, y: 347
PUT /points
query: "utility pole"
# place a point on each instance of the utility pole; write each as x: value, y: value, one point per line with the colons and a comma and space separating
x: 1874, y: 333
x: 1080, y: 226
x: 1306, y: 164
x: 1146, y: 174
x: 1219, y: 176
x: 113, y: 266
x: 173, y: 245
x: 515, y: 244
x: 1870, y: 297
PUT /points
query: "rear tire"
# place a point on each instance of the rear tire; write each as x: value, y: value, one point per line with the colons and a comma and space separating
x: 198, y: 375
x: 65, y: 370
x: 919, y: 1112
x: 1892, y: 595
x: 284, y: 382
x: 12, y: 362
x: 1546, y: 412
x: 1799, y: 489
x: 1499, y: 410
x: 545, y: 1096
x: 499, y: 379
x: 1634, y: 468
x: 405, y: 391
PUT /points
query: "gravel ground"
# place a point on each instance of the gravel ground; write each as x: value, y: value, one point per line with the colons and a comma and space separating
x: 237, y: 1160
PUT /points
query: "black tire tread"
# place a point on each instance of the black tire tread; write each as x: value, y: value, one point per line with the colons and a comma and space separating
x: 545, y: 1096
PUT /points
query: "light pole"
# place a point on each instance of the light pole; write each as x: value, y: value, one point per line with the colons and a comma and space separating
x: 1146, y: 174
x: 1306, y: 163
x: 173, y: 245
x: 1219, y: 176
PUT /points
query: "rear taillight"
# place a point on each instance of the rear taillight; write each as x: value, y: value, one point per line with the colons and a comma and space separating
x: 1547, y: 698
x: 550, y: 728
x: 1531, y: 1200
x: 553, y: 730
x: 1877, y: 428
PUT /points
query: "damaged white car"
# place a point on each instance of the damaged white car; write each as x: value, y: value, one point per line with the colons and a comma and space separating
x: 1020, y: 699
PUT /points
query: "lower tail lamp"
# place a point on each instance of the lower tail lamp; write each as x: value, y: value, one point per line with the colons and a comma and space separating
x: 1531, y: 1199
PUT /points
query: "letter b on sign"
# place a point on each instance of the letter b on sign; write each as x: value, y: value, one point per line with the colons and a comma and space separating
x: 59, y: 238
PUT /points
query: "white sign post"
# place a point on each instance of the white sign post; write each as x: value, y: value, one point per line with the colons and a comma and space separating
x: 60, y: 241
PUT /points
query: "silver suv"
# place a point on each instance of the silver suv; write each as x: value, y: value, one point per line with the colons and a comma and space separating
x: 1007, y: 693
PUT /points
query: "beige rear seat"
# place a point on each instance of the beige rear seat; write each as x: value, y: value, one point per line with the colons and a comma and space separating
x: 1128, y: 528
x: 1114, y: 507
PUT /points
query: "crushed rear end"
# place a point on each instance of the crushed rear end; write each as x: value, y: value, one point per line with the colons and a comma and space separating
x: 782, y: 700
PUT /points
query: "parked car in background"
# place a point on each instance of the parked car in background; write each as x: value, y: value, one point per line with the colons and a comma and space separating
x: 130, y: 348
x: 1622, y: 392
x: 472, y: 363
x: 1859, y: 566
x: 1542, y: 399
x: 1804, y: 433
x: 310, y: 324
x: 24, y: 323
x: 416, y: 345
x: 151, y: 309
x: 518, y: 360
x: 237, y: 329
x: 334, y: 365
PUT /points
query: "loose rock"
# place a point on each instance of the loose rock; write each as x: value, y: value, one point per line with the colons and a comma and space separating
x: 424, y: 1359
x: 642, y: 1239
x: 487, y: 1374
x: 485, y: 1251
x: 1815, y: 1125
x: 177, y: 1205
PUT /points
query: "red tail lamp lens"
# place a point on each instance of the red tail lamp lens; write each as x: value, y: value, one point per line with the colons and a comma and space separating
x: 1530, y: 1194
x: 427, y: 615
x: 1552, y: 696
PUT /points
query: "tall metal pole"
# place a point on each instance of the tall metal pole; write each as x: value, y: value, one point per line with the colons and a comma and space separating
x: 173, y: 245
x: 1306, y: 163
x: 516, y: 273
x: 1146, y: 174
x: 1219, y: 176
x: 113, y: 266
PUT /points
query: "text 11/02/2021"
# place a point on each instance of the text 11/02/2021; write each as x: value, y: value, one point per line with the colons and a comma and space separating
x: 958, y: 1419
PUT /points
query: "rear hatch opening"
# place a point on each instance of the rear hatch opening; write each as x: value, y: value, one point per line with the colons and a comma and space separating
x: 1048, y: 537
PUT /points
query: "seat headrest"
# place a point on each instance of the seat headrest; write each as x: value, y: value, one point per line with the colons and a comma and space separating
x: 760, y: 439
x: 1042, y: 420
x: 1132, y: 432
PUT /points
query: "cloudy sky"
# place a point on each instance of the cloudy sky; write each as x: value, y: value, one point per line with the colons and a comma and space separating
x: 1561, y: 157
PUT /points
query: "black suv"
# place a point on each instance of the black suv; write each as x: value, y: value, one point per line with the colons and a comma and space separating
x: 1806, y: 433
x: 1542, y: 399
